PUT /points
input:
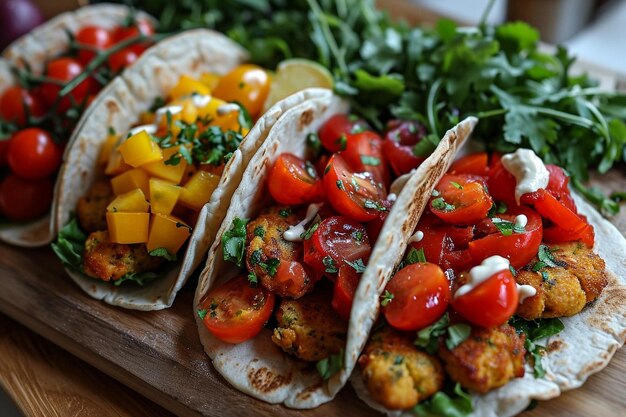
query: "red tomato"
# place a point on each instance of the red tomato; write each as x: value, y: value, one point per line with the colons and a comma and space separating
x: 519, y: 248
x: 140, y: 26
x: 364, y: 153
x: 421, y: 293
x: 332, y: 133
x: 94, y: 37
x: 294, y: 181
x: 4, y: 147
x: 375, y: 226
x: 248, y: 85
x: 554, y: 234
x: 558, y: 182
x: 24, y: 200
x: 345, y: 287
x: 400, y: 138
x: 549, y: 207
x: 291, y: 279
x: 32, y: 154
x: 356, y: 195
x: 236, y: 312
x: 501, y: 184
x: 64, y: 70
x: 491, y: 303
x: 473, y: 164
x: 127, y: 56
x: 461, y: 200
x: 16, y: 103
x: 336, y: 241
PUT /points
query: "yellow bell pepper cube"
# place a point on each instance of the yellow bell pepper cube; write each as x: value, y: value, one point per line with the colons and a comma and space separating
x: 130, y: 202
x: 116, y: 164
x: 128, y: 227
x: 189, y: 114
x: 173, y: 173
x: 167, y: 232
x: 210, y: 80
x: 140, y: 149
x: 186, y: 86
x: 189, y: 172
x: 107, y: 149
x: 146, y: 118
x: 198, y: 190
x: 129, y: 180
x: 163, y: 196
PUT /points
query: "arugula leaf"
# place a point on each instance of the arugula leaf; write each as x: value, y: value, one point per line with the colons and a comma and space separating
x: 70, y: 244
x: 329, y: 366
x: 163, y: 253
x: 234, y: 241
x: 428, y: 338
x: 454, y: 404
x: 457, y: 334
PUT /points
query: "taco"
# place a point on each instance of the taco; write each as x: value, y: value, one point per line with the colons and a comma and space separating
x: 32, y: 112
x: 293, y: 245
x: 149, y: 174
x: 529, y: 304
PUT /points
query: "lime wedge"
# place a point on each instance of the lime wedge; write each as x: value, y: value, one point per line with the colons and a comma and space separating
x: 293, y: 75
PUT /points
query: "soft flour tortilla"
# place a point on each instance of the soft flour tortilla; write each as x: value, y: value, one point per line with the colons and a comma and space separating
x: 32, y: 51
x: 153, y: 76
x: 258, y: 367
x: 585, y: 346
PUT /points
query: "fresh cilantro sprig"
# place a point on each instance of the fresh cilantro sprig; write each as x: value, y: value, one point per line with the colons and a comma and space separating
x: 234, y: 241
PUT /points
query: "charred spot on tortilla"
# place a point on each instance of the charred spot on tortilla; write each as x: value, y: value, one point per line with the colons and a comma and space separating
x: 555, y: 345
x: 267, y: 381
x: 306, y: 118
x: 306, y: 393
x: 112, y: 107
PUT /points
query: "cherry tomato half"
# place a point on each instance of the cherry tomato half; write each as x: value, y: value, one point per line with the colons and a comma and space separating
x: 400, y: 138
x: 345, y: 287
x: 491, y: 303
x: 421, y: 293
x: 32, y: 154
x: 501, y: 184
x: 294, y: 181
x: 336, y: 241
x: 24, y: 200
x: 236, y: 312
x: 356, y: 195
x: 248, y: 85
x: 17, y: 102
x: 473, y: 164
x: 332, y: 133
x: 64, y: 70
x: 94, y: 37
x: 364, y: 153
x: 460, y: 199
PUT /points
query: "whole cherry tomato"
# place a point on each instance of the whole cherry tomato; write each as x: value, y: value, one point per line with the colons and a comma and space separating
x: 333, y: 133
x: 460, y: 200
x: 248, y: 85
x: 122, y: 59
x: 32, y: 154
x: 94, y: 37
x: 64, y: 70
x: 400, y: 138
x: 294, y: 181
x: 140, y: 26
x: 17, y: 102
x: 24, y: 200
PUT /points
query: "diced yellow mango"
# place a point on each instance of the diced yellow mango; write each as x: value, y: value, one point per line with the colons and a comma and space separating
x: 189, y: 114
x: 140, y: 149
x: 173, y: 173
x: 107, y: 148
x: 130, y: 202
x: 167, y: 232
x: 186, y: 86
x: 128, y: 227
x: 163, y: 196
x: 146, y: 118
x: 210, y: 110
x: 189, y: 172
x: 198, y: 190
x: 116, y: 164
x: 129, y: 180
x: 210, y: 80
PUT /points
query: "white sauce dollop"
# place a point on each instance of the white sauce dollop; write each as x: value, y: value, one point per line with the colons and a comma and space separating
x: 392, y: 197
x: 482, y: 272
x: 162, y: 112
x: 521, y: 221
x: 201, y: 100
x: 529, y: 171
x: 525, y: 291
x: 227, y: 108
x: 417, y: 237
x: 149, y: 129
x: 294, y: 233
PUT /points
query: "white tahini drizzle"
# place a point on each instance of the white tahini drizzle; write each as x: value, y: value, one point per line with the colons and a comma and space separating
x: 150, y: 129
x: 417, y: 237
x: 525, y: 291
x: 521, y: 220
x: 480, y: 273
x: 162, y: 112
x: 528, y: 169
x: 227, y: 108
x: 200, y: 100
x: 294, y: 233
x: 392, y: 197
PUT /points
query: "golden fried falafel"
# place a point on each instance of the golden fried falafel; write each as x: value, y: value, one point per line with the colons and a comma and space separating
x: 308, y: 327
x: 487, y: 359
x: 564, y: 290
x: 91, y: 209
x: 267, y: 251
x: 396, y: 373
x: 107, y: 261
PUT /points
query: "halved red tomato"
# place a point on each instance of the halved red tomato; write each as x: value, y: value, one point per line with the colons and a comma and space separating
x: 501, y: 184
x: 291, y: 279
x: 472, y: 164
x: 491, y: 303
x: 460, y: 199
x: 345, y: 287
x: 336, y: 241
x: 333, y: 133
x: 518, y: 248
x: 356, y: 195
x: 294, y: 181
x: 421, y: 293
x: 364, y: 153
x: 400, y: 138
x: 235, y: 311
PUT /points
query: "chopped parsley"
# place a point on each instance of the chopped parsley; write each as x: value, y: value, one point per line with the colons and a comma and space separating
x: 374, y: 205
x: 358, y: 265
x: 252, y: 279
x: 506, y: 227
x: 234, y: 241
x: 259, y: 231
x: 387, y: 297
x: 314, y: 143
x: 340, y: 185
x: 414, y: 256
x: 370, y: 160
x: 202, y: 314
x: 440, y: 204
x: 310, y: 169
x: 284, y: 212
x: 456, y: 185
x: 163, y: 253
x: 357, y: 235
x: 546, y: 259
x: 270, y: 266
x: 330, y: 265
x: 309, y: 232
x: 342, y: 142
